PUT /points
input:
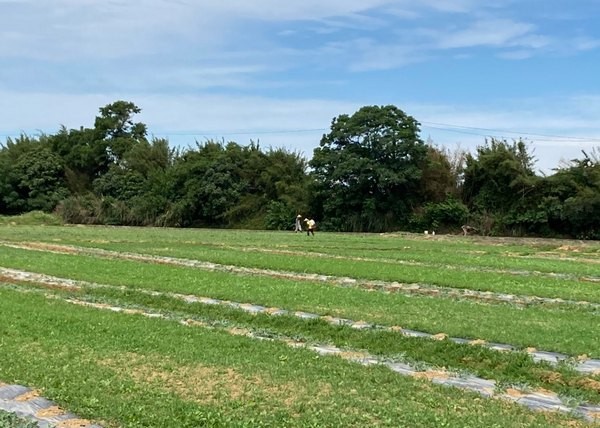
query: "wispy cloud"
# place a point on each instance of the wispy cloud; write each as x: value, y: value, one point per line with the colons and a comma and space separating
x: 516, y: 54
x: 586, y: 43
x: 370, y: 55
x: 486, y: 33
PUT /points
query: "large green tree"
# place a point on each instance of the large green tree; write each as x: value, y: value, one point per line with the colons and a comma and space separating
x: 115, y: 126
x: 367, y: 170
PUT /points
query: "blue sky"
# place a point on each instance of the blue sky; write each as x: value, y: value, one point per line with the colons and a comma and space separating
x: 278, y: 72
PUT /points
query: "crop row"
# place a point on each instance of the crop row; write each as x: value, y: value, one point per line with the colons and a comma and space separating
x: 135, y: 371
x: 507, y: 368
x: 523, y: 327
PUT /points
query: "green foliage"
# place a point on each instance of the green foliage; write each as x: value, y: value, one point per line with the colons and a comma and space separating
x: 566, y: 203
x: 11, y: 420
x: 115, y: 126
x: 120, y: 184
x: 32, y: 218
x: 443, y: 216
x: 33, y: 177
x: 441, y: 174
x: 368, y: 170
x: 220, y: 184
x: 85, y: 155
x: 205, y: 185
x: 577, y: 187
x: 498, y: 177
x: 279, y: 216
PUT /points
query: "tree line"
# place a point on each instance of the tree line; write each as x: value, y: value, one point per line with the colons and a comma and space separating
x: 371, y: 173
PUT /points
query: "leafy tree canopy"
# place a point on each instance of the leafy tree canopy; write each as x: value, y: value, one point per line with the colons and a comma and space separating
x: 368, y: 169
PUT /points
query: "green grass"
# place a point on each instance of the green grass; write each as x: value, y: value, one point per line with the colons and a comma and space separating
x: 33, y: 218
x: 511, y: 368
x: 133, y: 371
x: 325, y: 242
x: 11, y: 420
x: 550, y: 329
x: 459, y: 278
x: 449, y: 267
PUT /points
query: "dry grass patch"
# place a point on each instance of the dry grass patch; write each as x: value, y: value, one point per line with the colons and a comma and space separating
x: 74, y: 423
x: 50, y: 247
x: 28, y: 395
x: 432, y: 374
x: 50, y: 412
x: 215, y: 385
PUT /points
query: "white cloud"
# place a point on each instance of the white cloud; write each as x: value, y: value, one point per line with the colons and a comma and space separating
x: 586, y: 43
x: 500, y: 32
x: 276, y: 10
x: 516, y: 55
x: 182, y: 118
x: 112, y: 29
x: 455, y: 6
x: 369, y: 55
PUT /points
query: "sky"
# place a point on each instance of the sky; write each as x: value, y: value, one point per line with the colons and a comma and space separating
x: 277, y: 72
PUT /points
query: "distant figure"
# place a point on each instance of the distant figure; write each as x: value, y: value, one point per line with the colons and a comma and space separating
x: 310, y: 227
x: 298, y: 227
x: 467, y: 229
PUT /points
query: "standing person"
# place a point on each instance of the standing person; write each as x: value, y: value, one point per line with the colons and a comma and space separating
x: 298, y: 227
x: 310, y: 227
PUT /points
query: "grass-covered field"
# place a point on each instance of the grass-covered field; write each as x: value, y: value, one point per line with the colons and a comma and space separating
x: 187, y: 363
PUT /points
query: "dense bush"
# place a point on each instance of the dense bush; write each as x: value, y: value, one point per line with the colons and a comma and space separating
x: 442, y: 216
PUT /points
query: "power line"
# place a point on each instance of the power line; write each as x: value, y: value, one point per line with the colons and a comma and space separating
x: 240, y: 132
x: 551, y: 137
x: 461, y: 129
x: 204, y: 133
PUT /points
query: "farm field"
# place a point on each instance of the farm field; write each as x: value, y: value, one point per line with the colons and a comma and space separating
x: 142, y: 327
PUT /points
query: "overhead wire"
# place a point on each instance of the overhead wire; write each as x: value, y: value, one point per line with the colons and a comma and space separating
x: 461, y: 129
x: 545, y: 137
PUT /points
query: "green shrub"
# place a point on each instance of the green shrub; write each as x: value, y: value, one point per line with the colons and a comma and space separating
x: 446, y: 215
x: 32, y: 218
x: 279, y: 216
